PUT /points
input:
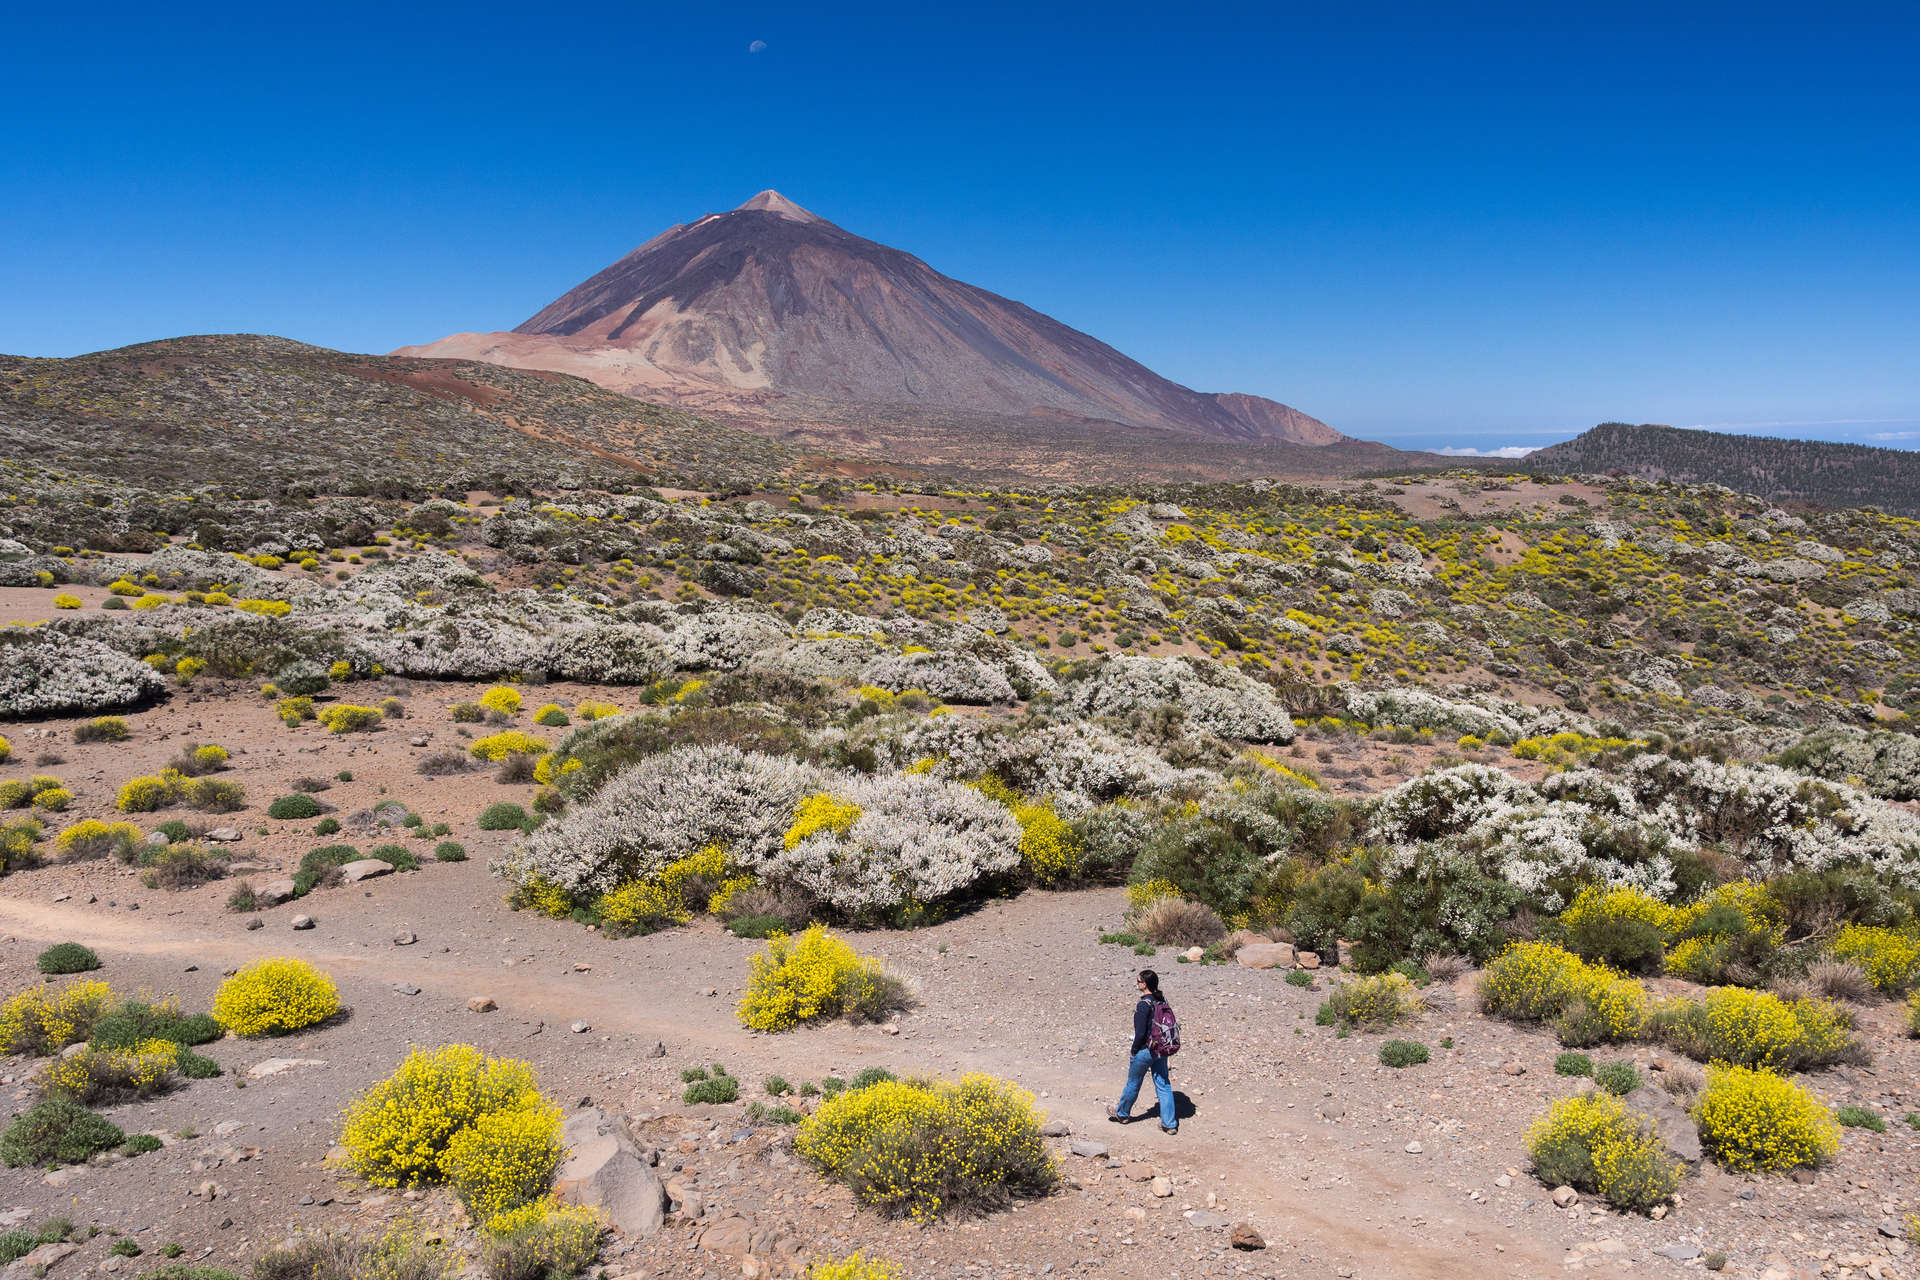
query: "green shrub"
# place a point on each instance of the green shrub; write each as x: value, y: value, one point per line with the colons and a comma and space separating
x: 131, y: 1022
x: 400, y: 1252
x: 503, y: 815
x: 756, y: 926
x: 922, y: 1148
x: 450, y: 851
x: 1617, y: 1078
x: 182, y: 866
x: 1627, y: 944
x: 776, y: 1085
x: 326, y: 826
x: 101, y: 729
x: 56, y: 1131
x: 1299, y: 978
x: 397, y: 856
x: 297, y: 806
x: 870, y: 1076
x: 541, y: 1241
x: 1572, y: 1063
x: 67, y: 957
x: 183, y: 1271
x: 1855, y: 1117
x: 1756, y: 1120
x: 718, y: 1088
x: 140, y: 1144
x: 1592, y: 1143
x: 321, y: 867
x: 1402, y: 1053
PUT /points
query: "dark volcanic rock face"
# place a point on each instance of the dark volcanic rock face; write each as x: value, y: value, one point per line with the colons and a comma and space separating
x: 770, y: 298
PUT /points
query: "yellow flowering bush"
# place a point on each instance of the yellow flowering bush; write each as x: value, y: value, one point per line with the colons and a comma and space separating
x: 591, y: 710
x: 1913, y: 1013
x: 275, y: 996
x: 1049, y: 846
x: 1592, y: 1143
x: 509, y: 742
x: 1594, y: 905
x: 52, y: 799
x: 1377, y: 1001
x: 90, y: 837
x: 821, y: 812
x: 96, y: 1074
x: 853, y: 1267
x: 40, y: 1021
x: 1754, y: 1120
x: 294, y: 711
x: 502, y: 699
x: 1891, y: 957
x: 265, y: 608
x: 1144, y: 894
x: 67, y: 600
x: 1539, y: 982
x: 815, y: 976
x: 398, y: 1132
x: 541, y: 1238
x: 920, y: 1148
x: 145, y: 794
x: 6, y: 750
x: 1757, y: 1029
x: 637, y: 907
x: 504, y: 1159
x: 345, y: 717
x: 210, y: 756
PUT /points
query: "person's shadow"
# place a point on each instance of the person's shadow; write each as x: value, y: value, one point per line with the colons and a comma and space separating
x: 1183, y: 1108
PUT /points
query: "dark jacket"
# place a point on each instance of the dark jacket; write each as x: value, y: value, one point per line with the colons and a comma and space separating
x: 1143, y: 1021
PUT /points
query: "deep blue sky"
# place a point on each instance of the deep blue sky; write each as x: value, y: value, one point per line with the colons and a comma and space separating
x: 1492, y: 227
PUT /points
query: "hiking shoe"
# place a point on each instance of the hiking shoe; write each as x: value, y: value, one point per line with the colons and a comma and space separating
x: 1170, y: 1132
x: 1117, y: 1118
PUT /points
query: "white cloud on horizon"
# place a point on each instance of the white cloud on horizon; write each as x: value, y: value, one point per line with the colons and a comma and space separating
x: 1504, y: 451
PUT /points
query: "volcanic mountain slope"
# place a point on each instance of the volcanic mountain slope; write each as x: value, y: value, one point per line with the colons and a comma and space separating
x: 1823, y: 473
x: 773, y: 312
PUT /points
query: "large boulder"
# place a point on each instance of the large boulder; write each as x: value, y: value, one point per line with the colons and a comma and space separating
x: 605, y: 1170
x: 1677, y: 1128
x: 1266, y: 955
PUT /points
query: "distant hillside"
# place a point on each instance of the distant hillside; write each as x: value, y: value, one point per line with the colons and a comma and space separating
x: 1827, y: 475
x: 265, y: 415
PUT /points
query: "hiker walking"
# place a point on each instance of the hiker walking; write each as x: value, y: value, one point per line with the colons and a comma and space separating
x: 1156, y: 1037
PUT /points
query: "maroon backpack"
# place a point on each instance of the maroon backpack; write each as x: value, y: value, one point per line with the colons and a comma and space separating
x: 1163, y: 1033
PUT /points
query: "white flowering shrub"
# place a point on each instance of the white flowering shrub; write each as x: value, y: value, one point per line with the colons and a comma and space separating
x: 1076, y: 764
x: 48, y: 673
x: 609, y: 653
x: 1883, y: 764
x: 1419, y: 709
x: 1212, y: 698
x: 414, y: 575
x: 666, y: 807
x: 949, y: 676
x: 721, y: 639
x: 918, y: 839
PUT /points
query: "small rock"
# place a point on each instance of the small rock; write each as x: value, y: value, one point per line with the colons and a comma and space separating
x: 1307, y: 960
x: 1413, y: 1148
x: 275, y: 892
x: 406, y: 989
x: 1055, y: 1129
x: 1890, y: 1229
x: 1162, y: 1187
x: 418, y: 740
x: 1245, y: 1237
x: 405, y: 939
x: 579, y: 1027
x: 1088, y: 1150
x: 301, y: 922
x: 1514, y: 1068
x: 1208, y: 1219
x: 255, y: 922
x: 1565, y: 1197
x: 1679, y: 1252
x: 481, y: 1004
x: 1265, y: 955
x: 659, y: 1049
x: 1137, y: 1172
x: 224, y: 835
x: 279, y: 1066
x: 889, y: 1028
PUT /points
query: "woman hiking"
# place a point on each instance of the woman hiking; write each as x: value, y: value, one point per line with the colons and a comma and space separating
x: 1156, y: 1037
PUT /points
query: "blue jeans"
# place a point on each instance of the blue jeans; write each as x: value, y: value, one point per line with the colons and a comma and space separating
x: 1138, y: 1066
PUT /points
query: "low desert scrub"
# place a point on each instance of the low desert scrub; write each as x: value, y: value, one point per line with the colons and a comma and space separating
x: 44, y: 1020
x: 496, y: 747
x: 275, y: 996
x: 132, y: 1022
x: 101, y: 729
x: 1857, y: 1117
x: 1913, y: 1014
x: 18, y: 1243
x: 294, y: 808
x: 67, y: 957
x: 1444, y: 966
x: 345, y: 717
x: 1752, y: 1120
x: 1617, y: 1078
x: 441, y: 764
x: 1587, y: 1003
x: 717, y: 1086
x: 1683, y: 1081
x: 1403, y: 1053
x: 504, y: 815
x: 502, y: 700
x: 57, y: 1131
x: 1178, y: 922
x: 1377, y: 1001
x: 1592, y: 1143
x: 182, y: 866
x: 400, y: 1253
x: 920, y: 1148
x: 96, y: 1074
x: 1757, y: 1029
x: 540, y: 1241
x: 815, y: 976
x: 1839, y: 980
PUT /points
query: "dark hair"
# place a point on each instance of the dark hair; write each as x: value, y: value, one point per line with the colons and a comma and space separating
x: 1152, y: 980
